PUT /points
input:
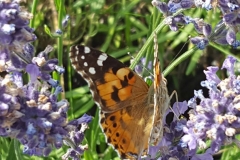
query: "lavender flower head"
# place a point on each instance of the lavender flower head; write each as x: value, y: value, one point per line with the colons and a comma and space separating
x: 30, y: 112
x: 214, y: 118
x: 76, y: 137
x: 223, y: 33
x: 217, y: 117
x: 14, y: 29
x: 171, y: 146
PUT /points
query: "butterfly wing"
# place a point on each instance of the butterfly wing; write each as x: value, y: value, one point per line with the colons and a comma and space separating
x: 126, y: 116
x: 127, y: 133
x: 111, y: 83
x: 161, y: 99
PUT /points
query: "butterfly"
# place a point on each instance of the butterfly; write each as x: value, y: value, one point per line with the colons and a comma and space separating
x: 131, y: 112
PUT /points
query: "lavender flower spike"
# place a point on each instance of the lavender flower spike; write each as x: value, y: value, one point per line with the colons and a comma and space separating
x: 76, y: 138
x: 14, y: 30
x: 217, y: 117
x: 30, y: 112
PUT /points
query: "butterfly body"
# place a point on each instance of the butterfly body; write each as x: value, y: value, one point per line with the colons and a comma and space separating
x: 130, y: 111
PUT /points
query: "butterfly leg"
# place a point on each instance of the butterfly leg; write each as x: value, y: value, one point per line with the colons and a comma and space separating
x: 176, y: 96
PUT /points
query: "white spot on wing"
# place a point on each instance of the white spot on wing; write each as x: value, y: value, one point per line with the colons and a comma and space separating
x: 102, y: 57
x: 86, y: 50
x: 100, y: 63
x: 85, y: 64
x: 76, y: 59
x: 82, y: 57
x: 92, y: 70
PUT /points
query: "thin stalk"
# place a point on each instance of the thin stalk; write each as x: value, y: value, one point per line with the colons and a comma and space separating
x: 180, y: 59
x: 33, y: 11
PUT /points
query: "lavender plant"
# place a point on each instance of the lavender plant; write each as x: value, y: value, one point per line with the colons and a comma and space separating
x: 29, y: 111
x: 214, y: 118
x: 224, y: 32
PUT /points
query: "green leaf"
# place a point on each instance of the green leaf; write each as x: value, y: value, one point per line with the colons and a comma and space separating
x: 12, y: 152
x: 47, y: 30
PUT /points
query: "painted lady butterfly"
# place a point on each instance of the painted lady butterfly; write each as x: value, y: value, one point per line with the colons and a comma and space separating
x: 131, y: 112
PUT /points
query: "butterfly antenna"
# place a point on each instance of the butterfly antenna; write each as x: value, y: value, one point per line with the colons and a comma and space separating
x: 156, y: 62
x: 175, y: 57
x: 155, y: 48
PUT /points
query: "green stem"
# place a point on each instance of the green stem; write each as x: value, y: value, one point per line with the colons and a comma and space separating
x: 149, y: 40
x: 147, y: 43
x: 33, y: 11
x: 60, y: 46
x: 223, y: 50
x: 60, y: 39
x: 32, y: 21
x: 179, y: 60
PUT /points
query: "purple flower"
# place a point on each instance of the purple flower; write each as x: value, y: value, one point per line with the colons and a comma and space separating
x: 205, y: 156
x: 224, y: 32
x: 181, y: 4
x: 162, y: 7
x: 212, y: 118
x: 29, y: 111
x: 168, y: 9
x: 175, y: 22
x: 38, y: 67
x: 65, y: 21
x: 203, y: 4
x: 215, y: 118
x: 170, y: 146
x: 229, y: 65
x: 14, y: 29
x: 76, y: 137
x: 31, y: 114
x: 200, y: 42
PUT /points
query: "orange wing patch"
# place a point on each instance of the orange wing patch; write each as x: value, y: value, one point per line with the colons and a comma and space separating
x: 125, y: 74
x: 107, y: 87
x: 113, y: 125
x: 124, y: 93
x: 117, y: 86
x: 110, y: 77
